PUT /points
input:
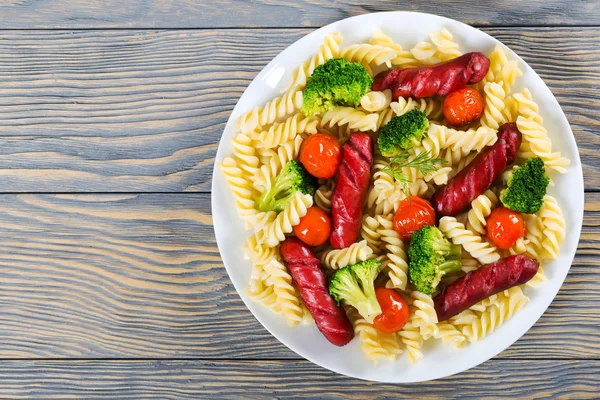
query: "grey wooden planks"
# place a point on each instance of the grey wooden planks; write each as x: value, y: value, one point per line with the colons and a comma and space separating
x: 74, y: 14
x: 286, y: 379
x: 143, y: 111
x: 139, y: 276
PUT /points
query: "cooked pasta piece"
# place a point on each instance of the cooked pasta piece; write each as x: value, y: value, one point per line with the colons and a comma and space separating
x: 383, y: 118
x: 425, y: 316
x: 329, y: 49
x: 279, y: 107
x: 426, y: 53
x: 494, y: 104
x: 258, y: 252
x: 368, y: 55
x: 323, y: 197
x: 470, y: 140
x: 244, y: 150
x: 472, y: 242
x: 276, y: 228
x: 283, y: 132
x: 355, y: 119
x: 369, y: 231
x: 376, y: 345
x: 481, y: 208
x: 288, y: 297
x: 434, y: 142
x: 535, y: 235
x: 447, y: 49
x: 376, y: 101
x: 261, y: 292
x: 432, y: 107
x: 402, y: 59
x: 397, y: 264
x: 449, y: 334
x: 554, y: 227
x: 267, y: 174
x: 340, y: 258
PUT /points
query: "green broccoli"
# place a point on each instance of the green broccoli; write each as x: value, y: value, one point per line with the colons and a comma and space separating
x: 354, y: 285
x: 291, y: 179
x: 526, y: 187
x: 403, y: 133
x: 336, y: 83
x: 431, y: 257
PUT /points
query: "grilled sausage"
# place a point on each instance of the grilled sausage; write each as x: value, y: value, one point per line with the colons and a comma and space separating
x: 483, y: 283
x: 436, y: 80
x: 306, y: 272
x: 479, y: 175
x: 351, y: 189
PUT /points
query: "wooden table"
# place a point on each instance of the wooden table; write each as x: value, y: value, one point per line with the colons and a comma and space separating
x: 111, y: 284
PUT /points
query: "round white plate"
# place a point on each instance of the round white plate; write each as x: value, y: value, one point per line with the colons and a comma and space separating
x: 440, y: 360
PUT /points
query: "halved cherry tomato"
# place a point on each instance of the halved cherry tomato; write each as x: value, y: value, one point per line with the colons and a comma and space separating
x: 505, y: 227
x: 413, y: 215
x: 463, y: 106
x: 314, y: 228
x: 394, y: 310
x: 321, y: 154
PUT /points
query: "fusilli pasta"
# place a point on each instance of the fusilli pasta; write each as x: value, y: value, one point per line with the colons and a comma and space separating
x: 340, y: 258
x: 481, y: 250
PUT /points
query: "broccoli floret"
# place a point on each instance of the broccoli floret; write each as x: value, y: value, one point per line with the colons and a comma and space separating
x: 336, y: 83
x: 354, y: 285
x: 526, y: 187
x: 403, y: 132
x: 291, y: 179
x: 431, y: 257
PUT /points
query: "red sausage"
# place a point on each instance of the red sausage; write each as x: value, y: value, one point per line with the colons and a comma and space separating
x: 312, y: 283
x: 350, y: 190
x: 483, y: 283
x: 479, y: 175
x: 436, y: 80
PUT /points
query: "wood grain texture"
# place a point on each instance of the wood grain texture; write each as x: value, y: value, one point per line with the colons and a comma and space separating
x: 139, y: 111
x: 289, y: 379
x: 74, y: 14
x: 128, y: 276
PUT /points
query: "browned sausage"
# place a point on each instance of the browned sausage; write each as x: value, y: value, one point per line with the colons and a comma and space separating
x: 351, y: 189
x: 436, y: 80
x: 483, y: 283
x: 306, y: 272
x: 479, y: 175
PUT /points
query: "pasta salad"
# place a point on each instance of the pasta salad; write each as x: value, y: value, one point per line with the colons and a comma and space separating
x: 397, y: 196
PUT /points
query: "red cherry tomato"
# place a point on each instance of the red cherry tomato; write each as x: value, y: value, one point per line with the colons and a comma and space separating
x: 463, y: 106
x: 505, y: 227
x: 321, y: 154
x: 394, y: 311
x: 413, y: 215
x: 314, y: 228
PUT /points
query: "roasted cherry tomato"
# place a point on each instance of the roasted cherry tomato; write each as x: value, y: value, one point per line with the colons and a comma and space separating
x: 394, y: 311
x: 505, y: 227
x: 463, y: 106
x: 321, y: 154
x: 314, y: 228
x: 413, y: 215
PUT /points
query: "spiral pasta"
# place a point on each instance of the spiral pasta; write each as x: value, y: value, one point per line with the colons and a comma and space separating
x: 376, y: 101
x: 376, y: 345
x: 370, y: 233
x: 276, y: 228
x: 266, y: 175
x: 329, y: 49
x: 279, y: 107
x: 340, y: 258
x: 426, y: 53
x: 368, y: 55
x: 425, y: 316
x: 323, y: 197
x: 354, y: 118
x: 287, y: 295
x: 402, y: 59
x: 554, y: 227
x: 449, y: 334
x: 434, y: 142
x: 481, y: 208
x: 397, y: 264
x: 258, y: 252
x: 494, y: 104
x: 261, y: 292
x: 481, y: 250
x: 283, y: 132
x: 447, y: 49
x: 470, y: 140
x: 430, y: 106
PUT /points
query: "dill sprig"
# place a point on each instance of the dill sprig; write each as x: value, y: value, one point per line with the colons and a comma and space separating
x: 422, y: 162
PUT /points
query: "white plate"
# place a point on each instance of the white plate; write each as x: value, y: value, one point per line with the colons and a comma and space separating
x: 440, y: 360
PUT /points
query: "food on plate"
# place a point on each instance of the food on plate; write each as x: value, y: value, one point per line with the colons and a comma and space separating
x: 351, y: 189
x: 402, y: 133
x: 292, y: 179
x: 413, y: 214
x: 479, y: 175
x: 437, y: 80
x: 312, y: 284
x: 394, y: 310
x: 431, y: 257
x: 321, y: 154
x: 505, y: 227
x: 336, y: 83
x: 483, y: 283
x: 430, y: 234
x: 463, y: 106
x: 314, y: 228
x: 526, y: 187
